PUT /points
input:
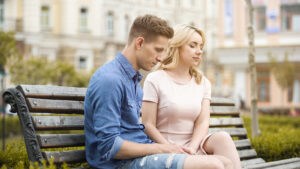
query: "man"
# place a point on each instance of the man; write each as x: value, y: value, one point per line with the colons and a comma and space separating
x: 114, y: 136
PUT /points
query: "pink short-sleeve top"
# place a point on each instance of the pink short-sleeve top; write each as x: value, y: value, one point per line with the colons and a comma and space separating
x: 179, y: 105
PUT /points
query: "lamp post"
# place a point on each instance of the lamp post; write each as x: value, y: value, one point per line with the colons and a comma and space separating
x: 2, y: 108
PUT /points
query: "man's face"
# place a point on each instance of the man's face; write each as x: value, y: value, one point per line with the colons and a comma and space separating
x: 151, y: 53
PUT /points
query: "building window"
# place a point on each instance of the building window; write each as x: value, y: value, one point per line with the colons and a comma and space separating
x: 45, y: 17
x: 260, y: 18
x: 83, y: 23
x: 82, y: 62
x: 110, y: 23
x: 228, y: 18
x: 290, y: 17
x: 263, y: 80
x: 1, y: 13
x: 126, y: 25
x: 192, y: 3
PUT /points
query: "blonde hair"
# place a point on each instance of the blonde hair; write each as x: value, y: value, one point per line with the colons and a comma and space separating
x: 181, y: 36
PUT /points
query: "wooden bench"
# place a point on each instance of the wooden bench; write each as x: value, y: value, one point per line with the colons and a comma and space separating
x: 52, y: 117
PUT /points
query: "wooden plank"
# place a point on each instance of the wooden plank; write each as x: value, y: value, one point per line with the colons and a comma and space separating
x: 73, y: 156
x: 234, y: 132
x: 224, y: 110
x: 58, y: 122
x: 246, y: 154
x: 218, y: 101
x: 49, y: 91
x: 294, y: 165
x: 242, y: 143
x: 61, y: 140
x: 280, y: 163
x: 226, y: 122
x: 57, y: 106
x: 248, y: 162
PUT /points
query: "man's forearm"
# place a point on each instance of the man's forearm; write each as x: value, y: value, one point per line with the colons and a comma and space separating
x: 133, y: 150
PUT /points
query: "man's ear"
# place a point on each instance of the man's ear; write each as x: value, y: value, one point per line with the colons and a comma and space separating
x: 139, y: 42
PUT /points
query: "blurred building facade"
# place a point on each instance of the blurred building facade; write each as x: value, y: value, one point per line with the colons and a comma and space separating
x: 277, y: 32
x: 88, y: 33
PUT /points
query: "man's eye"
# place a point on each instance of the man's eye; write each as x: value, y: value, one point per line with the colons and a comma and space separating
x: 159, y: 50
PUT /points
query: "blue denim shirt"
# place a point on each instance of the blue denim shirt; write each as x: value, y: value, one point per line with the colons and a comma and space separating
x: 112, y: 110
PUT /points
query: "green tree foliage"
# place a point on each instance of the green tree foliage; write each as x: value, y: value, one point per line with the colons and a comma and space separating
x: 42, y: 71
x: 284, y: 72
x: 8, y: 47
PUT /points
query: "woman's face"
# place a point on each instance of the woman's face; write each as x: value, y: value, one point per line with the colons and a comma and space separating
x: 190, y: 53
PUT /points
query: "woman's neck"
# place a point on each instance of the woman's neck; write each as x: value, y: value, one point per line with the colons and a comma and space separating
x: 180, y: 73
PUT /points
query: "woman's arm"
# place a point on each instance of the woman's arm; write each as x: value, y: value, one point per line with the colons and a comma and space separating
x: 200, y: 127
x: 149, y: 115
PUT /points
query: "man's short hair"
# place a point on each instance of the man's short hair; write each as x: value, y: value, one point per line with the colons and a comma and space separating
x: 149, y: 27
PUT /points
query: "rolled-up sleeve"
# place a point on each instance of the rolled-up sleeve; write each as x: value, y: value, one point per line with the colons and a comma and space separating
x: 106, y: 98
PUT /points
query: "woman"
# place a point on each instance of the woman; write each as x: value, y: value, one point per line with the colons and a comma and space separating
x: 177, y: 99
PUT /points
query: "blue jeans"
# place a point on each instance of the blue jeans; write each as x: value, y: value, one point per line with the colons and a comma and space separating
x: 156, y: 161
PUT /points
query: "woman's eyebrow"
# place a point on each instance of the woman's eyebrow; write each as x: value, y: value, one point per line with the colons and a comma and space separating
x: 194, y: 42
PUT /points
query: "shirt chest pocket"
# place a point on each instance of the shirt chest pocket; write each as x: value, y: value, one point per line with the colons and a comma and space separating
x: 130, y: 112
x: 130, y: 106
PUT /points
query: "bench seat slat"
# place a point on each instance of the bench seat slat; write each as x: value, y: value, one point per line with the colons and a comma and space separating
x: 242, y: 143
x: 224, y: 110
x: 252, y: 162
x: 58, y: 122
x: 61, y: 140
x: 73, y: 156
x: 247, y: 154
x: 226, y: 122
x: 234, y: 132
x: 48, y: 91
x: 55, y: 106
x: 280, y: 163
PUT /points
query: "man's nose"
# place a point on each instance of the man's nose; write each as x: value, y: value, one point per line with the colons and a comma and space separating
x: 158, y: 58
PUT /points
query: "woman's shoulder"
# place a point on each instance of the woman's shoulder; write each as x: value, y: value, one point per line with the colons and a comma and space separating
x: 155, y: 75
x: 205, y: 82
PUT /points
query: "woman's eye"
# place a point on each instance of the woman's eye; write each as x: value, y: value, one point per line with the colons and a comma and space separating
x: 192, y: 46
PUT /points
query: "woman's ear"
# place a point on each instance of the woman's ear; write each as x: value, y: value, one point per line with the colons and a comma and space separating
x: 139, y: 42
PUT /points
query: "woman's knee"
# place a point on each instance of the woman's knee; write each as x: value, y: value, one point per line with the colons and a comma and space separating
x: 217, y: 164
x: 226, y: 162
x: 223, y: 135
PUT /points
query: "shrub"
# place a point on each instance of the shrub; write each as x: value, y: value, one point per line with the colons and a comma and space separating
x: 12, y: 126
x: 279, y: 137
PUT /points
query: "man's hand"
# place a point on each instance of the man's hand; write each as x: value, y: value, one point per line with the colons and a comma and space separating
x: 170, y: 148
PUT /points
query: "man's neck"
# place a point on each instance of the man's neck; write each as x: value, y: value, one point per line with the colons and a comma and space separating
x: 131, y: 56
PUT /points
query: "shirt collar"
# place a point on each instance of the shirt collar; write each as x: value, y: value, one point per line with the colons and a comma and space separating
x: 130, y: 71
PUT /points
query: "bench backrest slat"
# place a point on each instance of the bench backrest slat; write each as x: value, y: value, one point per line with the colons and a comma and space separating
x: 55, y: 106
x: 61, y: 140
x: 226, y: 122
x: 58, y: 122
x: 57, y: 92
x: 233, y: 132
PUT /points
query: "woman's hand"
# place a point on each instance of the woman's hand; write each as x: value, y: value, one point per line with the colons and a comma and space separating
x: 189, y: 150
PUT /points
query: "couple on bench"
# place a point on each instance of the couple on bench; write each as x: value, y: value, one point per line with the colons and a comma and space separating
x: 174, y: 105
